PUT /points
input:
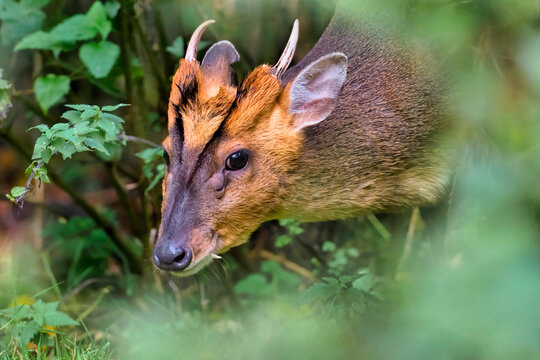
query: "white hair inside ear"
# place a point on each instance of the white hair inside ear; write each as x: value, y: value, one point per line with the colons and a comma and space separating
x: 315, y: 90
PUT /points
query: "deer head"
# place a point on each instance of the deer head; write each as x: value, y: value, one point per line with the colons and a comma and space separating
x: 231, y: 151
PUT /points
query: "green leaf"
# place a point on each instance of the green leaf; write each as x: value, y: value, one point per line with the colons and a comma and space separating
x: 96, y: 144
x: 177, y: 47
x: 46, y: 155
x: 97, y: 17
x: 39, y: 40
x: 112, y: 8
x: 18, y: 191
x: 20, y: 18
x: 80, y: 107
x: 150, y: 154
x: 110, y: 108
x: 65, y: 148
x: 40, y: 127
x: 99, y: 57
x: 73, y: 116
x: 283, y: 240
x: 26, y: 331
x: 5, y: 100
x: 75, y: 28
x: 328, y: 246
x: 53, y: 317
x: 41, y: 143
x: 50, y: 89
x: 109, y: 127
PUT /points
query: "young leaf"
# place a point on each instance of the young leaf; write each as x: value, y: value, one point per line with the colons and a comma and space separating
x: 97, y: 17
x: 99, y: 57
x: 50, y: 89
x: 110, y: 108
x: 18, y: 191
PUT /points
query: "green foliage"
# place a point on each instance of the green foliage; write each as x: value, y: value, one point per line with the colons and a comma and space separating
x: 50, y: 89
x: 154, y: 165
x: 99, y: 57
x: 293, y: 229
x: 20, y: 18
x: 272, y: 280
x: 25, y: 322
x: 89, y: 128
x: 362, y: 288
x: 80, y: 249
x: 5, y: 99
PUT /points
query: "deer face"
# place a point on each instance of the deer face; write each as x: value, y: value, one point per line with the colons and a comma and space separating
x: 229, y: 153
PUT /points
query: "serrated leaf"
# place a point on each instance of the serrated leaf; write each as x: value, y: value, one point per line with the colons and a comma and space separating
x: 99, y: 57
x: 58, y: 318
x: 97, y: 17
x: 114, y: 118
x: 50, y: 89
x: 97, y: 145
x: 72, y: 116
x: 110, y: 108
x: 87, y: 114
x: 65, y: 148
x: 26, y: 332
x: 80, y: 107
x: 109, y: 128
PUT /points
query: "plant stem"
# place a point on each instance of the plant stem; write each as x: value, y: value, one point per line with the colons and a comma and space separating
x: 134, y: 262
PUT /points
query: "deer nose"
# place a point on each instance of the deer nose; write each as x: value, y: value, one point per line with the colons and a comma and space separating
x: 172, y: 258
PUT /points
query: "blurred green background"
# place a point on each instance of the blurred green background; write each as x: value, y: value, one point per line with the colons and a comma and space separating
x: 457, y: 281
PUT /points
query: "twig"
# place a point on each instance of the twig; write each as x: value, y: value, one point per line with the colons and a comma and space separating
x: 138, y: 139
x: 409, y: 239
x: 379, y: 227
x: 133, y: 260
x: 294, y: 267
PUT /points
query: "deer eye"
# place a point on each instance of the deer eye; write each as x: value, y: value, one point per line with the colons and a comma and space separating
x: 166, y: 156
x: 237, y: 160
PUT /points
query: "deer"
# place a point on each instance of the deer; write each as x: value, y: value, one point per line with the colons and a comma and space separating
x: 351, y: 129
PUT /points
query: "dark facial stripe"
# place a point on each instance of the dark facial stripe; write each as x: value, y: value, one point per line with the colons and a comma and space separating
x: 217, y: 134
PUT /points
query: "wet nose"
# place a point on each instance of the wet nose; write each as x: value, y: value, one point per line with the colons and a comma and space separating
x: 172, y: 258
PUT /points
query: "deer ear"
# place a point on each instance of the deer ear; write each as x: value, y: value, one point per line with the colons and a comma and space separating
x: 217, y: 62
x: 314, y: 92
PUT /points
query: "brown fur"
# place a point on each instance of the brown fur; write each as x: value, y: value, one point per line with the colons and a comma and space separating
x: 374, y: 152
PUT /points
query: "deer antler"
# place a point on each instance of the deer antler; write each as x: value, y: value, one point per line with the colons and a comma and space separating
x: 191, y: 52
x: 286, y: 58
